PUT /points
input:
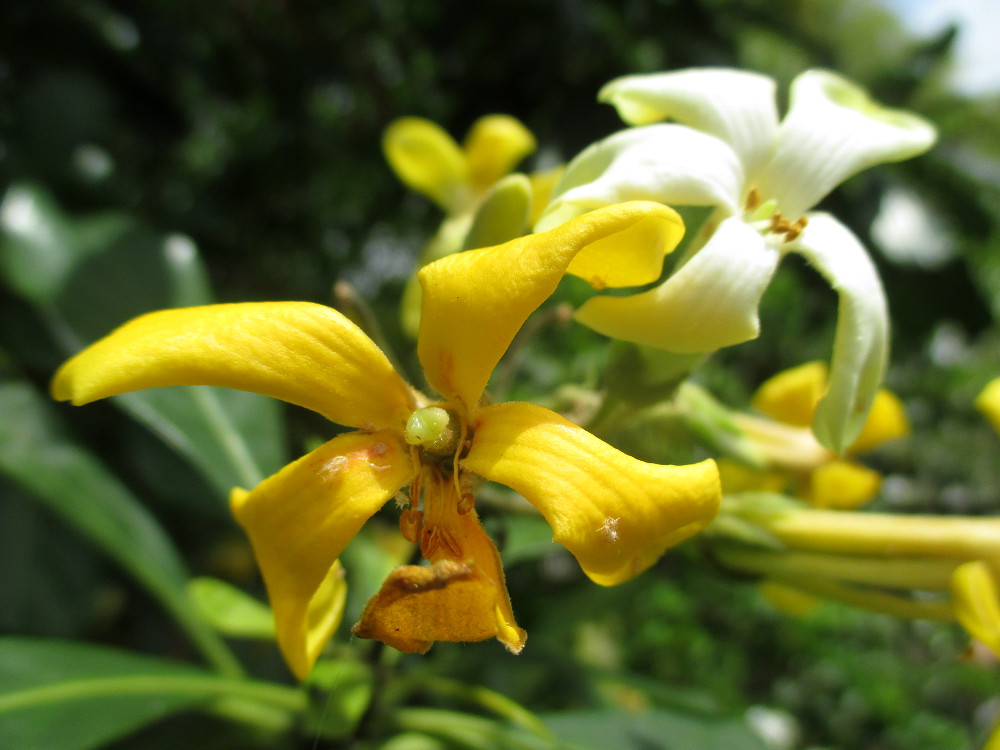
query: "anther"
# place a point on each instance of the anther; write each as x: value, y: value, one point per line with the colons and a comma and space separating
x: 410, y: 523
x: 466, y: 503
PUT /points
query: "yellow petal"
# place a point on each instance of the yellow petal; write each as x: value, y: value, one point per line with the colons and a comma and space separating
x: 974, y: 588
x: 493, y: 147
x: 886, y: 421
x: 616, y: 514
x: 988, y: 402
x: 306, y: 354
x: 475, y: 302
x: 791, y: 395
x: 299, y: 521
x: 428, y: 160
x: 842, y: 485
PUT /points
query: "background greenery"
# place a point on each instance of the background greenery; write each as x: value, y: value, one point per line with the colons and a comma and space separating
x: 135, y: 132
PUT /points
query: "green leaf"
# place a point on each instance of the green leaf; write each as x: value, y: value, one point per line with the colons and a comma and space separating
x: 231, y: 611
x: 65, y: 266
x: 657, y: 729
x: 59, y: 695
x: 76, y: 486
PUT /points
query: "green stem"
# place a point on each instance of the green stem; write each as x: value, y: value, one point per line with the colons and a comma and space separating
x: 276, y: 696
x: 876, y: 601
x: 491, y: 700
x: 884, y: 535
x: 902, y: 573
x: 229, y: 438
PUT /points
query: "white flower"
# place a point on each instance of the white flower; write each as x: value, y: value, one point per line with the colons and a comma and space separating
x: 727, y: 149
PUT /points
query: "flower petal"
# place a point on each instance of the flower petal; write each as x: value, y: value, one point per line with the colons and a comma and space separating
x: 616, y: 514
x: 988, y: 402
x: 451, y: 600
x: 791, y: 395
x: 475, y: 302
x: 299, y: 352
x: 669, y: 164
x: 842, y: 485
x: 736, y: 106
x: 711, y: 302
x: 977, y: 606
x: 299, y: 521
x: 833, y: 130
x: 886, y: 421
x: 427, y: 160
x: 493, y: 147
x: 860, y: 349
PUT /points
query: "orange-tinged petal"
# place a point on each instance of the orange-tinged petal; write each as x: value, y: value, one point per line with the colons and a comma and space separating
x: 842, y: 485
x: 475, y: 302
x: 427, y: 159
x: 493, y: 147
x: 303, y: 353
x: 616, y: 514
x: 418, y: 605
x: 299, y: 521
x: 977, y: 607
x: 791, y: 395
x: 886, y: 421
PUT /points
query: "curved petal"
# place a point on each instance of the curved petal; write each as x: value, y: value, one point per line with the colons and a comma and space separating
x: 475, y: 302
x: 832, y: 131
x: 791, y: 395
x: 736, y: 106
x: 427, y: 160
x: 988, y: 402
x: 451, y: 600
x: 616, y: 514
x: 299, y: 521
x: 860, y: 349
x: 299, y: 352
x: 711, y: 302
x: 842, y: 485
x: 493, y: 147
x: 670, y: 164
x: 977, y: 602
x: 886, y: 421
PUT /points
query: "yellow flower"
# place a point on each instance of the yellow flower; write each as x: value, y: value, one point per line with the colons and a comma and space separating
x: 790, y: 399
x: 429, y: 161
x: 614, y: 513
x: 988, y: 402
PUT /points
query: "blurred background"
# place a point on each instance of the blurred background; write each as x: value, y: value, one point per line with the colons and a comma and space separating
x: 134, y: 133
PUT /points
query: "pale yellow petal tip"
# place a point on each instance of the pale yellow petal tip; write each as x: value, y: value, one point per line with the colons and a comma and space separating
x: 977, y: 602
x: 915, y: 134
x: 305, y: 628
x: 791, y: 395
x: 428, y: 160
x: 988, y: 402
x: 494, y: 146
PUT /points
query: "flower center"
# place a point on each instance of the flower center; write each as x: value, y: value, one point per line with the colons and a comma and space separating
x: 440, y: 493
x: 765, y: 216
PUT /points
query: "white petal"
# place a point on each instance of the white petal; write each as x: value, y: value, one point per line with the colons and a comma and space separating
x: 735, y: 105
x: 860, y: 348
x: 709, y: 303
x: 669, y: 164
x: 832, y: 131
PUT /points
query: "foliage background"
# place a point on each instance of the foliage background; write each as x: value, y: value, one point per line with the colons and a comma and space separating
x: 253, y: 129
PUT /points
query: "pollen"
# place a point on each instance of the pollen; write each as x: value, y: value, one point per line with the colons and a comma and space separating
x: 330, y: 469
x: 609, y: 531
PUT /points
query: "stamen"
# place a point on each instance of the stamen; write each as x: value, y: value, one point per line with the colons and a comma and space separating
x: 753, y: 200
x: 410, y: 523
x: 466, y: 503
x: 796, y: 228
